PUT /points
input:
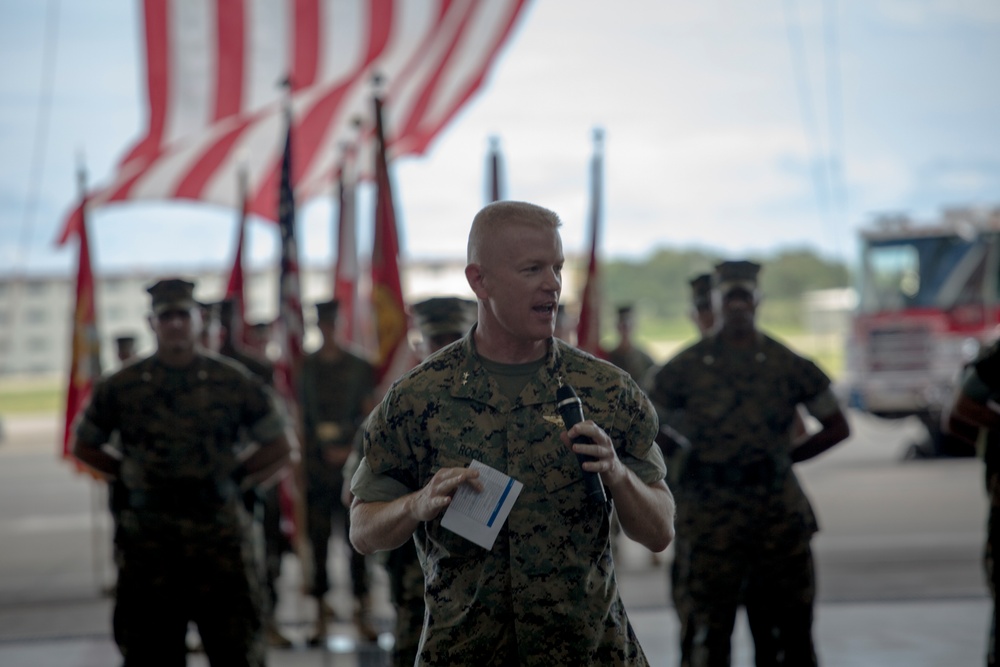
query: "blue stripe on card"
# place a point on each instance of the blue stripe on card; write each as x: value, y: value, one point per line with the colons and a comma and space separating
x: 503, y: 497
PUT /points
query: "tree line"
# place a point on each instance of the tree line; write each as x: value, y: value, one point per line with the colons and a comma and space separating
x: 659, y: 287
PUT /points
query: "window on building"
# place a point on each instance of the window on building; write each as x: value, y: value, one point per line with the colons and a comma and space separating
x: 36, y: 288
x: 37, y: 344
x: 36, y: 316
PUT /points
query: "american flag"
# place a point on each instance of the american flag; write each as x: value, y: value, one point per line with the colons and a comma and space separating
x: 212, y: 75
x: 290, y: 322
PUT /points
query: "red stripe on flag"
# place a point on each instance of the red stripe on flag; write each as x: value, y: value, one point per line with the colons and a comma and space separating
x: 418, y: 133
x: 430, y: 88
x: 229, y: 58
x: 207, y: 166
x: 305, y: 62
x: 157, y: 80
x: 73, y: 226
x: 309, y: 130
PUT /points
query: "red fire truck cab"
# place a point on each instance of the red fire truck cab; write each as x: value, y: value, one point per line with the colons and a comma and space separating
x: 927, y: 302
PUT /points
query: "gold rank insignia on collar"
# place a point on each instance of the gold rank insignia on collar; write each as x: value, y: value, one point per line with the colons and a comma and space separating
x: 554, y: 419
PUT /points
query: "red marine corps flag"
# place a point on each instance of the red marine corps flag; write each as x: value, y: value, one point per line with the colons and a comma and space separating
x: 85, y: 363
x: 345, y: 276
x: 388, y: 310
x: 588, y: 332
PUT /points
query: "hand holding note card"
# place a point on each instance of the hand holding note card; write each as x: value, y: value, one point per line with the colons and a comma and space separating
x: 478, y: 516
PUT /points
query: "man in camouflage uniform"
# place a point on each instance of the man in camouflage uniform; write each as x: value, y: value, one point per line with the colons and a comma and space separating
x: 627, y: 355
x: 974, y: 416
x: 546, y: 593
x: 263, y: 504
x: 185, y: 543
x: 335, y: 395
x: 702, y: 313
x: 744, y: 524
x: 124, y: 347
x: 442, y: 321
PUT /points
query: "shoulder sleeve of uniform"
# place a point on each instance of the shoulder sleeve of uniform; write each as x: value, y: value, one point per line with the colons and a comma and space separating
x: 811, y: 378
x: 823, y: 405
x: 387, y: 447
x: 95, y: 423
x: 665, y: 384
x: 267, y: 420
x: 370, y: 487
x: 638, y: 451
x: 988, y: 367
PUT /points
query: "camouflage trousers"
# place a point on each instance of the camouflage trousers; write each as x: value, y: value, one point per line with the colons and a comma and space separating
x: 989, y: 564
x: 778, y: 591
x: 325, y: 513
x: 406, y: 588
x: 165, y: 584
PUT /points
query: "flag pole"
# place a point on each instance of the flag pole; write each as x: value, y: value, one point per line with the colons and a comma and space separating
x: 291, y: 327
x: 346, y: 272
x: 493, y: 169
x: 235, y: 288
x: 588, y: 333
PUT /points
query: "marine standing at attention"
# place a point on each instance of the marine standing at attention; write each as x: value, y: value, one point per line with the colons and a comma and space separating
x: 184, y: 539
x: 744, y: 525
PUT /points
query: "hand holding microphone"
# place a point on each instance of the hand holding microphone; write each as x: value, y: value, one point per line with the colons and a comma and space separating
x: 571, y: 410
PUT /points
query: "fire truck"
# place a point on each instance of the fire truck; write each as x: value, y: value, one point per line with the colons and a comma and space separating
x: 927, y: 303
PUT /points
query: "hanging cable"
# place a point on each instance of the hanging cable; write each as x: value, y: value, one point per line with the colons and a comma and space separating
x: 819, y: 165
x: 835, y: 119
x: 42, y: 119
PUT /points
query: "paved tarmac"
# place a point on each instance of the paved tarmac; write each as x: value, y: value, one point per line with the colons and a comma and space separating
x: 918, y: 600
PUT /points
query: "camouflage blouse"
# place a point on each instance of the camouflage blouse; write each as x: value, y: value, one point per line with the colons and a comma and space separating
x: 546, y: 594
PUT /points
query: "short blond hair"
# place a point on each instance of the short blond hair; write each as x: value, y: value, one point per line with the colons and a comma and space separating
x: 503, y: 214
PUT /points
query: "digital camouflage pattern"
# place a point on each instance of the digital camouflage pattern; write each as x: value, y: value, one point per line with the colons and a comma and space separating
x: 184, y: 540
x: 546, y: 594
x: 333, y: 395
x: 741, y: 513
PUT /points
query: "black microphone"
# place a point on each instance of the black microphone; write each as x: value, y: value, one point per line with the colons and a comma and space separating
x: 571, y: 410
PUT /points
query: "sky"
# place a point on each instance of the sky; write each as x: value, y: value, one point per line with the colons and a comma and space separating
x: 743, y: 128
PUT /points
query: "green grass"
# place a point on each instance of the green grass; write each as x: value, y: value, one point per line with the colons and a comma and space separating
x: 19, y: 396
x: 664, y: 338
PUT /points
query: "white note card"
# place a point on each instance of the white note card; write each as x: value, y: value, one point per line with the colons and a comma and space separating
x: 478, y: 515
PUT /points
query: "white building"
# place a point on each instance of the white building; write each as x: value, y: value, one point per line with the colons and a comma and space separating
x: 36, y: 311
